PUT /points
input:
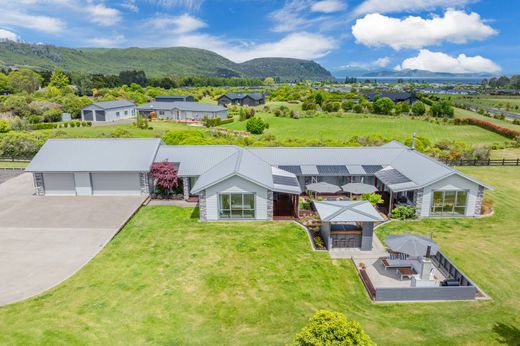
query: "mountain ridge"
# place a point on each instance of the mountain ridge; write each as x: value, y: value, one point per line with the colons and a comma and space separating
x: 156, y: 62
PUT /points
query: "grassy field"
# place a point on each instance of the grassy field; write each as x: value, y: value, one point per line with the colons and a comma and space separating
x: 492, y: 101
x: 400, y: 128
x: 13, y: 164
x: 463, y: 113
x: 169, y: 279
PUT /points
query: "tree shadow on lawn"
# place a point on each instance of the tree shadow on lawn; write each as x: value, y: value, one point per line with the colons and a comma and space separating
x: 195, y: 214
x: 508, y: 334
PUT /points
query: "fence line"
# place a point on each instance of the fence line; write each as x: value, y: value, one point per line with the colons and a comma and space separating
x: 488, y: 162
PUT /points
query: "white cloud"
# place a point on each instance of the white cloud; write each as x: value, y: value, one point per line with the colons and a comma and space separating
x: 189, y: 4
x: 382, y: 62
x: 46, y: 24
x: 177, y: 24
x: 107, y: 42
x: 103, y: 15
x: 8, y: 35
x: 376, y: 30
x: 441, y: 62
x: 392, y: 6
x: 328, y: 6
x: 130, y: 5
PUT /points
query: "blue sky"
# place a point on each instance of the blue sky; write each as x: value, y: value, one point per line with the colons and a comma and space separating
x: 436, y: 35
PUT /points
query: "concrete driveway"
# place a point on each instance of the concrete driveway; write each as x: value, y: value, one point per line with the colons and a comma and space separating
x: 45, y: 240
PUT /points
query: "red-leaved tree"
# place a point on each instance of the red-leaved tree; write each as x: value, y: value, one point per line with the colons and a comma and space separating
x: 165, y: 175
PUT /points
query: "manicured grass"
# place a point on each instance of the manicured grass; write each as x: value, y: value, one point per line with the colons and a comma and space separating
x: 507, y: 123
x: 392, y: 127
x: 13, y: 164
x: 169, y: 279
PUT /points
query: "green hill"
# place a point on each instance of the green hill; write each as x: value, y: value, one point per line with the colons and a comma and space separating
x: 156, y: 62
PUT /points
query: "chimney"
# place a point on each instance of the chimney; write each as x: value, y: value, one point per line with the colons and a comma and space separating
x: 413, y: 141
x: 428, y: 251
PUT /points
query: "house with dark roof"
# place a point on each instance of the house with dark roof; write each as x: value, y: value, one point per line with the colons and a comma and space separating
x: 108, y: 111
x: 243, y: 99
x: 394, y: 96
x: 174, y: 98
x: 183, y: 110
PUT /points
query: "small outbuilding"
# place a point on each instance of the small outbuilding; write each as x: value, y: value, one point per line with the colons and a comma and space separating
x: 108, y: 111
x: 347, y: 224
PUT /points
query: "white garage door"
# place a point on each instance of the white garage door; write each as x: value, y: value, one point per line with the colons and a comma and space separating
x: 116, y: 184
x: 59, y: 184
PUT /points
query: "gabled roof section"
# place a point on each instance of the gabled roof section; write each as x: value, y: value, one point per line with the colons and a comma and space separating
x: 347, y: 211
x: 243, y: 164
x: 110, y: 104
x: 182, y: 105
x: 96, y: 155
x: 239, y: 96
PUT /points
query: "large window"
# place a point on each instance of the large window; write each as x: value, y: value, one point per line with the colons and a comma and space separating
x: 449, y: 203
x: 237, y: 206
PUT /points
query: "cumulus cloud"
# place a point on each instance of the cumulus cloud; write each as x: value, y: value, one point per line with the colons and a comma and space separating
x: 130, y: 5
x: 46, y: 24
x: 111, y: 42
x: 8, y: 35
x: 328, y: 6
x: 441, y: 62
x: 382, y: 62
x: 389, y: 6
x: 189, y: 4
x: 103, y: 15
x: 367, y: 65
x: 455, y: 26
x: 177, y: 24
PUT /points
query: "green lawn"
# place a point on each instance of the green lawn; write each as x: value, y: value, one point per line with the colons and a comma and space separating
x: 463, y: 113
x: 169, y: 279
x: 400, y: 128
x: 13, y: 164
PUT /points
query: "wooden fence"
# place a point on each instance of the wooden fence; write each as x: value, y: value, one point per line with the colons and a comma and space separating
x: 488, y: 162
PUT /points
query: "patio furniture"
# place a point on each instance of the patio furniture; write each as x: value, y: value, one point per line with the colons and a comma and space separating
x: 405, y: 272
x: 396, y: 264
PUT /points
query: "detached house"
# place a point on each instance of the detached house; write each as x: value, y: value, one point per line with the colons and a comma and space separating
x: 243, y: 99
x: 394, y: 96
x: 183, y: 110
x: 108, y: 111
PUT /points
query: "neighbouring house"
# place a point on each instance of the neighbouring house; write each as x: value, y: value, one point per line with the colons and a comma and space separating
x: 183, y: 110
x: 174, y: 98
x: 235, y: 183
x: 243, y: 99
x: 394, y: 96
x: 108, y: 111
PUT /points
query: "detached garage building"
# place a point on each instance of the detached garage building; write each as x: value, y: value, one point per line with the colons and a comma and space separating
x: 99, y: 167
x: 108, y: 111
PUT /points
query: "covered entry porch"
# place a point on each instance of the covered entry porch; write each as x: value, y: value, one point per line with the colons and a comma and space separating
x: 285, y: 206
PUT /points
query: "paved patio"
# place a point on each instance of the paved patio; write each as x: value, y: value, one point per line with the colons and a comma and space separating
x: 45, y: 240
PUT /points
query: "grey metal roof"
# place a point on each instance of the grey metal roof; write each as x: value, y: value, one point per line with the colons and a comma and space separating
x: 110, y: 104
x: 411, y: 244
x: 323, y: 187
x: 293, y: 169
x: 371, y: 169
x: 347, y: 211
x: 95, y: 155
x: 183, y: 106
x: 237, y: 96
x: 356, y: 170
x: 335, y: 170
x: 391, y: 176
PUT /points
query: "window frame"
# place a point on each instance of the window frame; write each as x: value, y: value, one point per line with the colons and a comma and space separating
x: 242, y: 210
x: 438, y: 209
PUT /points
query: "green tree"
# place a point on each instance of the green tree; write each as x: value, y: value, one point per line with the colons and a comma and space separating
x: 24, y: 80
x: 4, y: 82
x: 442, y: 109
x: 332, y: 328
x: 256, y: 125
x: 384, y: 105
x: 83, y: 83
x: 373, y: 198
x: 269, y: 81
x: 59, y: 79
x: 402, y: 107
x: 318, y: 98
x: 418, y: 108
x: 18, y: 105
x: 72, y: 104
x: 20, y: 145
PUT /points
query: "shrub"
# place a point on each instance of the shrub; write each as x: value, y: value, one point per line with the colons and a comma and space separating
x: 403, y: 212
x: 332, y: 328
x: 357, y: 108
x: 4, y: 126
x: 256, y: 126
x: 308, y: 106
x: 418, y: 108
x: 165, y: 176
x: 487, y: 206
x: 318, y: 242
x: 34, y: 119
x: 373, y: 198
x: 383, y: 105
x: 509, y: 133
x: 52, y: 115
x: 442, y: 109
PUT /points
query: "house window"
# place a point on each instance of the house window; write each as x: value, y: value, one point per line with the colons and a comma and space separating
x: 126, y: 112
x: 449, y: 203
x: 237, y: 206
x: 117, y: 114
x: 161, y: 113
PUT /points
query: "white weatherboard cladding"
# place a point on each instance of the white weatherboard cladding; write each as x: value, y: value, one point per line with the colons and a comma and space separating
x: 112, y: 114
x: 59, y: 184
x: 452, y: 183
x: 83, y: 183
x: 236, y: 184
x: 120, y: 183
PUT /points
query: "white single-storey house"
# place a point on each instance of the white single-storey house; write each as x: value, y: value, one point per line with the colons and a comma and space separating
x: 107, y: 111
x: 183, y: 110
x: 234, y: 183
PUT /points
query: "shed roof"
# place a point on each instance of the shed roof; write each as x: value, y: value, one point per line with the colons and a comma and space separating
x: 347, y: 211
x: 111, y: 104
x: 96, y: 155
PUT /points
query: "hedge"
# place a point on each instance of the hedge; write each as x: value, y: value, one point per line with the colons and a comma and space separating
x: 509, y: 133
x: 49, y: 126
x: 212, y: 122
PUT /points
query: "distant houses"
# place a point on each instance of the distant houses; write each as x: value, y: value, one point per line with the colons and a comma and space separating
x: 107, y: 111
x: 183, y: 111
x: 174, y: 98
x: 243, y: 99
x: 394, y: 96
